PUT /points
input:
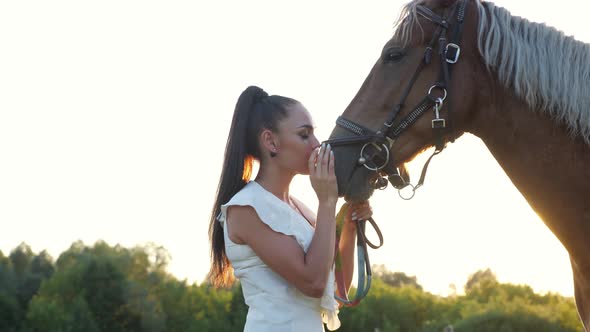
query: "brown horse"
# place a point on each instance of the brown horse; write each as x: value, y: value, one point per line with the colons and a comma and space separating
x: 468, y: 66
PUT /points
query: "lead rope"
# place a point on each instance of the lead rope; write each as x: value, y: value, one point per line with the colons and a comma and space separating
x: 364, y: 264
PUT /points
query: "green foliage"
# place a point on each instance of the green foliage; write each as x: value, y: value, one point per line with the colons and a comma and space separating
x: 498, y: 321
x: 21, y: 258
x: 489, y: 301
x: 388, y: 308
x: 21, y: 275
x: 480, y: 279
x: 394, y: 279
x: 54, y: 314
x: 111, y: 288
x: 10, y: 313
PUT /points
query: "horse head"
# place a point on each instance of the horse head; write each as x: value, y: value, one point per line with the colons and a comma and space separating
x: 427, y: 70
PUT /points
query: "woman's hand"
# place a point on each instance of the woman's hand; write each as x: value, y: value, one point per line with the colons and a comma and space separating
x: 360, y: 211
x: 321, y: 174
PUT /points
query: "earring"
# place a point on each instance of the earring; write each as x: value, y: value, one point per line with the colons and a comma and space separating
x: 273, y: 154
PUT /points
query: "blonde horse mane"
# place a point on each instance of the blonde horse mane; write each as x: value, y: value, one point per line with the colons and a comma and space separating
x: 547, y: 69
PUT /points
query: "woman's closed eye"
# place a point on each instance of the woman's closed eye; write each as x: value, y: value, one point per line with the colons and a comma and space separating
x: 305, y: 134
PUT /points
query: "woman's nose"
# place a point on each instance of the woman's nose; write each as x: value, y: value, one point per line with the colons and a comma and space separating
x: 315, y: 143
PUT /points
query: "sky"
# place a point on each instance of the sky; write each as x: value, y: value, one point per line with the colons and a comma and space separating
x: 114, y: 117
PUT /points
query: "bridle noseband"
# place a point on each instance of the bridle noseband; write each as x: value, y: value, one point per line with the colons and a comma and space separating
x: 375, y: 153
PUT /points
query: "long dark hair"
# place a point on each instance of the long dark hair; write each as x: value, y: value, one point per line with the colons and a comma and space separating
x: 255, y: 111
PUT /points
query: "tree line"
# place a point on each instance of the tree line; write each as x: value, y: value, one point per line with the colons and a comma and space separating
x: 116, y: 289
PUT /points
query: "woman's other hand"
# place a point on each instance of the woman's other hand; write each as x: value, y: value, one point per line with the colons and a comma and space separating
x: 360, y: 211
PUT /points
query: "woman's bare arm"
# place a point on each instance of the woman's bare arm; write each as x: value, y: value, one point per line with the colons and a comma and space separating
x: 307, y: 272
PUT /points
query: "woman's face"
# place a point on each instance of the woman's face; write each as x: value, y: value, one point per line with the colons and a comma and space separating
x: 296, y: 139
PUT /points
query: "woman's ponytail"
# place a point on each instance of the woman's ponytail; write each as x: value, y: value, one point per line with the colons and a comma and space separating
x: 236, y: 172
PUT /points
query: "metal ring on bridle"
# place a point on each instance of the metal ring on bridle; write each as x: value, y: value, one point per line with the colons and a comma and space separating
x: 443, y: 89
x: 399, y: 192
x: 376, y: 168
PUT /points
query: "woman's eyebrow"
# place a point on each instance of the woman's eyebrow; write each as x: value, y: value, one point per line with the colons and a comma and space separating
x: 306, y: 126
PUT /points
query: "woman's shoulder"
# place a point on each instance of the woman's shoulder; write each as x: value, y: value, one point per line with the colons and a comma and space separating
x: 253, y: 196
x: 246, y: 196
x: 254, y: 203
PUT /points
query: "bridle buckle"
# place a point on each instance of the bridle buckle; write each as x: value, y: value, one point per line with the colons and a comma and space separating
x: 453, y: 55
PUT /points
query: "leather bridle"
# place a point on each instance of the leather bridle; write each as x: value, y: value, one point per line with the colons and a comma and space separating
x: 375, y: 153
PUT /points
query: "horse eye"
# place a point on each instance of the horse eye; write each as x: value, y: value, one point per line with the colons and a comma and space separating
x: 393, y: 55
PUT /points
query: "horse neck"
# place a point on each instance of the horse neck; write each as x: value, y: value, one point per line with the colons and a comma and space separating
x: 547, y: 165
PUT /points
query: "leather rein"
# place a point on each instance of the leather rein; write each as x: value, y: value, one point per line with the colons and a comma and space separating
x: 375, y: 153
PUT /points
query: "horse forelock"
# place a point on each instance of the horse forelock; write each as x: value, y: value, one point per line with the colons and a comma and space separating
x: 405, y: 23
x: 547, y: 69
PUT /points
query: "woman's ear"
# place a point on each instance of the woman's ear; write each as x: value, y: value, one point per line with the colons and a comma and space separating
x: 269, y: 142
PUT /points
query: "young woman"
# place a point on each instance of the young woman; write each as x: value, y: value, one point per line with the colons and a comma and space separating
x: 281, y: 251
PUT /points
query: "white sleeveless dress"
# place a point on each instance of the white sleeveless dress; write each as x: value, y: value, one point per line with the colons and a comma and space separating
x: 274, y: 304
